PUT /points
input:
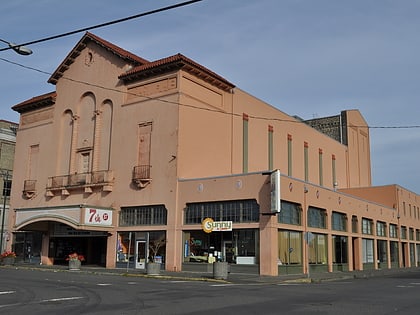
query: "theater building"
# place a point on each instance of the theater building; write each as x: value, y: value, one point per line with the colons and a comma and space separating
x: 125, y: 152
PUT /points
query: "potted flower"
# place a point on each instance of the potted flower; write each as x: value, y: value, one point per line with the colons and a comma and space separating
x: 75, y: 261
x: 153, y: 266
x: 8, y: 258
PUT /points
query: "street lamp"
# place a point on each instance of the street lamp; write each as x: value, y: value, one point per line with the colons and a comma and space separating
x: 21, y: 50
x: 5, y: 174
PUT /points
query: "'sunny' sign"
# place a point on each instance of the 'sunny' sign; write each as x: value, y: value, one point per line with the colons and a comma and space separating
x: 209, y: 225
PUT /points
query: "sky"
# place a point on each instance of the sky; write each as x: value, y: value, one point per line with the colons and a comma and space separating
x: 310, y: 58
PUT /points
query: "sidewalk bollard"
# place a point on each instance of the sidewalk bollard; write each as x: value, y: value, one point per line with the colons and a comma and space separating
x: 220, y: 270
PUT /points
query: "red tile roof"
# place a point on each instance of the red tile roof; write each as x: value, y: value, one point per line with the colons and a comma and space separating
x: 117, y: 50
x: 36, y: 102
x: 176, y: 62
x: 122, y: 53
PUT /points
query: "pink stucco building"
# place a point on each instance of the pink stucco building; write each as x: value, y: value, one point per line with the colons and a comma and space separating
x: 128, y: 151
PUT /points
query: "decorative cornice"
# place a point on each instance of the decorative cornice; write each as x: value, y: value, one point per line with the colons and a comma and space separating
x: 175, y: 63
x: 36, y: 102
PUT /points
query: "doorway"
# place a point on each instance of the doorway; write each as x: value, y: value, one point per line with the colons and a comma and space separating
x: 141, y: 254
x: 228, y: 252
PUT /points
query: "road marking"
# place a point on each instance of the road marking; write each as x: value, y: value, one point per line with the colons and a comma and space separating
x: 44, y: 301
x: 104, y: 284
x: 405, y: 286
x: 7, y: 292
x: 62, y: 299
x: 237, y: 284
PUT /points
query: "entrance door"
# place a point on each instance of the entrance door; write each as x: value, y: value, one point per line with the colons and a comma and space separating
x: 141, y: 254
x: 228, y: 252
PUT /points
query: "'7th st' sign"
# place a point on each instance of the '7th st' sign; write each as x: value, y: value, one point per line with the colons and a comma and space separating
x: 98, y: 217
x: 210, y: 226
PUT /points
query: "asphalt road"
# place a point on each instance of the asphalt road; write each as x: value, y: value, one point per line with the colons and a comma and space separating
x: 47, y: 292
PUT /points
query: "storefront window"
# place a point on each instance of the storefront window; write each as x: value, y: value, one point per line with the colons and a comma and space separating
x: 382, y: 252
x: 290, y: 247
x: 404, y: 232
x: 125, y: 246
x: 237, y: 211
x: 339, y: 221
x: 393, y: 252
x: 354, y: 224
x: 317, y: 217
x: 128, y: 251
x: 143, y: 215
x: 318, y: 249
x: 393, y: 231
x: 418, y: 254
x: 339, y: 249
x: 290, y: 213
x: 367, y: 225
x: 380, y: 228
x: 412, y: 255
x: 367, y: 245
x: 237, y: 246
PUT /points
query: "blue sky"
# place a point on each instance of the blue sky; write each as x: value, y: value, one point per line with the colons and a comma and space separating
x: 310, y: 58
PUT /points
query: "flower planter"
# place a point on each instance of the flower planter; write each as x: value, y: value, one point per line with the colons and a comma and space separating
x: 7, y: 261
x: 220, y: 270
x: 153, y: 268
x: 74, y: 264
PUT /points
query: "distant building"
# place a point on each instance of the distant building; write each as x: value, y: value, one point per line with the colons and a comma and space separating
x: 126, y: 152
x: 7, y: 152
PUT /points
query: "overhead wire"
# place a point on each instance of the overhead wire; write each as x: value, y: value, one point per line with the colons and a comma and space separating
x: 174, y: 6
x: 187, y: 105
x: 154, y: 98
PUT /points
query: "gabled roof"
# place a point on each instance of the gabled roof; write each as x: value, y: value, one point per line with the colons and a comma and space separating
x: 36, y: 102
x: 173, y: 63
x: 124, y: 54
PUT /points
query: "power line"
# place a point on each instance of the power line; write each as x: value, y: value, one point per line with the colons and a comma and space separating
x: 105, y: 24
x: 189, y: 105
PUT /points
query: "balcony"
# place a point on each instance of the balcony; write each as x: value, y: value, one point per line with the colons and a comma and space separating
x: 87, y: 181
x: 29, y: 188
x: 141, y: 175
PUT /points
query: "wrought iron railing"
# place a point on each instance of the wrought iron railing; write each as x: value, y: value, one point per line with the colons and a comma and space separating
x: 80, y: 180
x: 141, y: 172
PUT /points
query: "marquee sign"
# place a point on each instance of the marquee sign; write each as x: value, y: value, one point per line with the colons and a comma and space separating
x: 275, y: 192
x: 216, y: 226
x: 98, y: 217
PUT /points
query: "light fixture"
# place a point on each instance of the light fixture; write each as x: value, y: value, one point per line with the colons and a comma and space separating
x: 21, y: 50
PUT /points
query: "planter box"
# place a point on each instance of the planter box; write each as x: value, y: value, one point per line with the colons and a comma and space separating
x: 220, y: 270
x: 153, y: 268
x: 7, y: 261
x: 74, y: 264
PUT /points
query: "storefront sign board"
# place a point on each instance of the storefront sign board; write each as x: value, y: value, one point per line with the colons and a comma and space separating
x: 98, y: 217
x: 216, y: 226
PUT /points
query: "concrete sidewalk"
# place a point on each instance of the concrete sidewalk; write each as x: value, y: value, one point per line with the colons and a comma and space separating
x: 233, y: 278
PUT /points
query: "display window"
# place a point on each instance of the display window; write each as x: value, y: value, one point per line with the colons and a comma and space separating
x: 237, y: 246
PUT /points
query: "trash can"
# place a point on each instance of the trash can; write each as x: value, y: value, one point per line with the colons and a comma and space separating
x: 220, y: 270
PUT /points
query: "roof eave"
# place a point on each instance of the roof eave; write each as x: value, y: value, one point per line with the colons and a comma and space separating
x: 75, y: 52
x: 34, y: 103
x: 176, y: 63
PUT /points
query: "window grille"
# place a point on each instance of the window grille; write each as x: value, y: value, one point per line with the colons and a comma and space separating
x: 317, y: 217
x: 143, y: 215
x: 291, y: 213
x: 236, y: 211
x: 339, y: 221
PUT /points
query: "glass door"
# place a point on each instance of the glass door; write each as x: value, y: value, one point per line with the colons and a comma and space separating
x: 141, y: 254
